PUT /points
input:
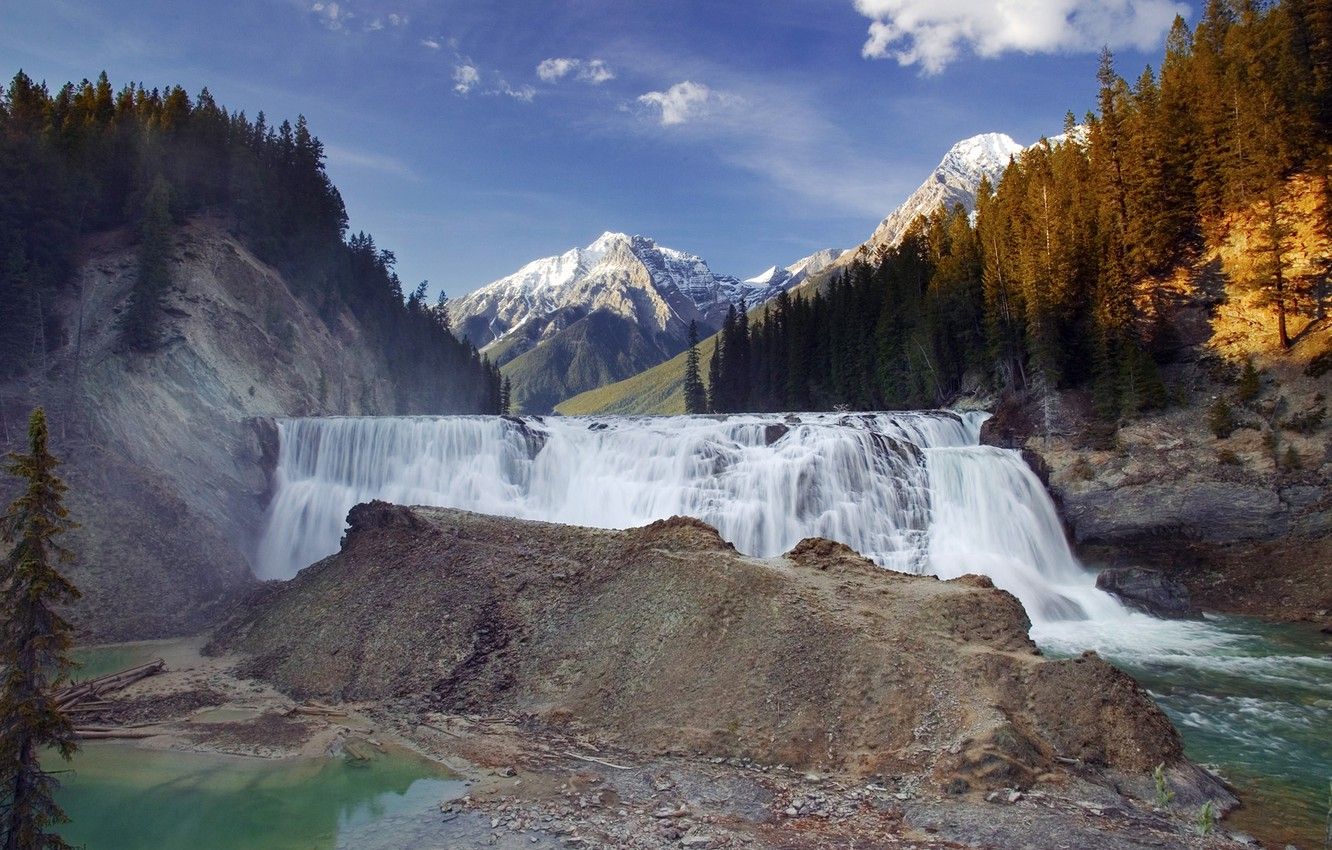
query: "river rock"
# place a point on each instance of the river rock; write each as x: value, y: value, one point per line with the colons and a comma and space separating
x: 1147, y: 590
x: 774, y: 432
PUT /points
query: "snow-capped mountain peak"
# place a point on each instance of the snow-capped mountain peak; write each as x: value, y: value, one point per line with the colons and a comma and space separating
x: 661, y: 289
x: 764, y: 277
x: 954, y: 181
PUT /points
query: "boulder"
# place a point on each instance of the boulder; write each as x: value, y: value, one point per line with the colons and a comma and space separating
x: 1149, y: 591
x: 774, y: 432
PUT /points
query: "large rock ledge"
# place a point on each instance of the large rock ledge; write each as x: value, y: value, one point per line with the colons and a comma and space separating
x: 665, y: 639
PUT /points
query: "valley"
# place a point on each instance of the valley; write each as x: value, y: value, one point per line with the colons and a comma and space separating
x: 1008, y: 526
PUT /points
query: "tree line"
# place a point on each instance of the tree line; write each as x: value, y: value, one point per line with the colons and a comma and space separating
x: 87, y: 158
x: 1056, y: 281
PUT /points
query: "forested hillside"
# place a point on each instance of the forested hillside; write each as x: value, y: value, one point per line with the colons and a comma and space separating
x: 87, y: 159
x: 1061, y: 278
x: 173, y: 277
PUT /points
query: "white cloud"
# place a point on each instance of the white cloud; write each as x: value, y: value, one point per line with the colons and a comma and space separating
x: 465, y: 78
x: 332, y: 15
x: 551, y: 70
x: 685, y: 101
x: 592, y: 71
x: 596, y: 72
x: 931, y: 33
x: 523, y: 93
x: 337, y: 15
x: 468, y: 78
x: 433, y: 44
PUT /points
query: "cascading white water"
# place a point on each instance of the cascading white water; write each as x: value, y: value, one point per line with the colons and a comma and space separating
x: 913, y: 491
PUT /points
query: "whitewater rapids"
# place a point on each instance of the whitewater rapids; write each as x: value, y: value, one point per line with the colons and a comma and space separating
x: 913, y: 491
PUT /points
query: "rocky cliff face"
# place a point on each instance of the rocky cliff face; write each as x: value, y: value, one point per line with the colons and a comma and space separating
x: 664, y: 636
x: 163, y: 455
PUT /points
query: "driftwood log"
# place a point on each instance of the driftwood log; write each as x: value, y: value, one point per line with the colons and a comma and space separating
x: 94, y: 689
x: 86, y: 698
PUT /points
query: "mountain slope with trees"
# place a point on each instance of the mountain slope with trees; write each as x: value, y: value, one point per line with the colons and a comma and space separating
x: 174, y: 275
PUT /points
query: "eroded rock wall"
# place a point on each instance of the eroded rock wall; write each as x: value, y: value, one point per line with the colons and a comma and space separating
x: 165, y: 452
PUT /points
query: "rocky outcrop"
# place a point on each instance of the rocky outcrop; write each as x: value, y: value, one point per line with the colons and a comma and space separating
x: 664, y: 637
x: 1147, y: 590
x: 166, y: 453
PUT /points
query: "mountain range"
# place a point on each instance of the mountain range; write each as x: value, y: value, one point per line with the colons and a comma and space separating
x: 593, y: 316
x: 598, y: 314
x: 955, y: 180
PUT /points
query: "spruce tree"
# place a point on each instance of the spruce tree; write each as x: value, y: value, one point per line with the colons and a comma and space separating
x: 716, y: 395
x: 34, y: 648
x: 695, y: 397
x: 143, y: 317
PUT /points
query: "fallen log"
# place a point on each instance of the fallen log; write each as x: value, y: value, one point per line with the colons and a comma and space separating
x: 95, y: 688
x: 108, y: 734
x: 148, y: 725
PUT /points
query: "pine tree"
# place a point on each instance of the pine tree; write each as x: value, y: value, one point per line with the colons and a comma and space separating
x: 716, y: 395
x: 695, y: 397
x: 506, y: 397
x: 142, y: 322
x: 34, y: 648
x: 1177, y: 133
x: 1271, y: 279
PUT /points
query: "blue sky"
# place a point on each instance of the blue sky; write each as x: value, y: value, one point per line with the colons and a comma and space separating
x: 471, y: 137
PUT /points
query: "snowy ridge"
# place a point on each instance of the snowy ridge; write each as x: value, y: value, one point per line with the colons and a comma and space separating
x: 661, y: 289
x: 954, y: 181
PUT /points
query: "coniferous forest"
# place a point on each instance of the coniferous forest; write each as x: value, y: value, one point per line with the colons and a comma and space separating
x: 87, y: 158
x: 1052, y: 283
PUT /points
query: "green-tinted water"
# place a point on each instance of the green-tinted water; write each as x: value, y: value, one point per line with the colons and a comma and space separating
x: 121, y: 797
x: 103, y: 660
x: 1252, y: 699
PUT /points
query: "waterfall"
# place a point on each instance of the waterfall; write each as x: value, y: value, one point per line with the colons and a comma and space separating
x: 913, y: 491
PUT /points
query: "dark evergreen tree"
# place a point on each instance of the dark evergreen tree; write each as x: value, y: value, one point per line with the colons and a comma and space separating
x: 143, y: 316
x: 716, y: 395
x: 695, y: 396
x: 35, y: 641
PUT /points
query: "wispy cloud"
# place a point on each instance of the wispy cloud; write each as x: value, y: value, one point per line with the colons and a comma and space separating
x: 525, y: 93
x: 783, y: 131
x: 469, y: 78
x: 686, y: 101
x: 591, y: 71
x: 339, y: 16
x: 339, y: 156
x: 432, y: 43
x: 932, y: 33
x: 335, y: 16
x: 466, y: 77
